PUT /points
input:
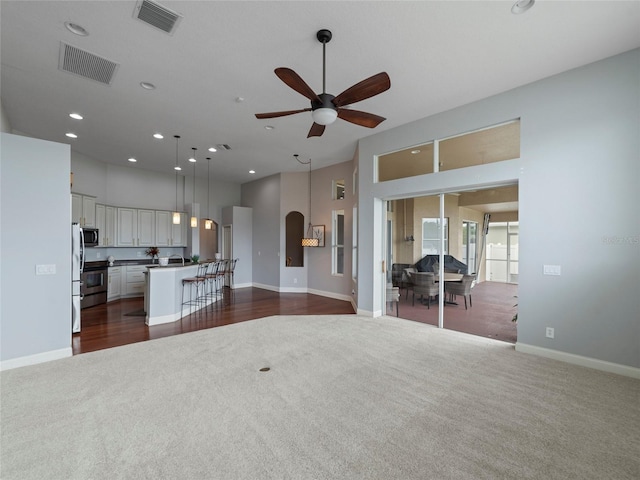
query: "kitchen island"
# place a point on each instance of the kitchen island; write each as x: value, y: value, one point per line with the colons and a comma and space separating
x: 163, y: 293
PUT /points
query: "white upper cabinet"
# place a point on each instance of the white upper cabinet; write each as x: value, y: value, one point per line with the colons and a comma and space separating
x: 127, y: 227
x: 168, y: 234
x: 83, y: 210
x: 146, y: 228
x: 106, y: 225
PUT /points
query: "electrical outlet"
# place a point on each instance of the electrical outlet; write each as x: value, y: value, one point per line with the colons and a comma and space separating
x: 550, y: 333
x: 139, y: 254
x: 98, y: 254
x: 295, y: 280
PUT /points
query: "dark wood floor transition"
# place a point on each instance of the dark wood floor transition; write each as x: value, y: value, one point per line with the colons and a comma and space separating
x: 122, y: 321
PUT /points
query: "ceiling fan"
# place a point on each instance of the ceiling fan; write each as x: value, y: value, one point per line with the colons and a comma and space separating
x: 325, y: 108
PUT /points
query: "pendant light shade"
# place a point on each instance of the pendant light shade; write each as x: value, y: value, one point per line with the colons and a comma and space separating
x: 308, y: 241
x: 208, y: 223
x: 194, y: 219
x: 176, y: 213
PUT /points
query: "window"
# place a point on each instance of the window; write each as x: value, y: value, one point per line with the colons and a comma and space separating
x: 337, y: 243
x: 431, y: 236
x: 338, y: 189
x: 409, y: 162
x: 354, y: 249
x: 469, y: 244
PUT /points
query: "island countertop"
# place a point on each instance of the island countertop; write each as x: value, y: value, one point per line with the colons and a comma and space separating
x: 163, y: 292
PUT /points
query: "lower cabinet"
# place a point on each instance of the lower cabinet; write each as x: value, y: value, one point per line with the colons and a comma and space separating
x: 125, y: 281
x: 114, y: 285
x: 134, y: 280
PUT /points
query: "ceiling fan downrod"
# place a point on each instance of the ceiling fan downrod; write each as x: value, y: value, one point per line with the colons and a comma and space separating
x: 324, y: 37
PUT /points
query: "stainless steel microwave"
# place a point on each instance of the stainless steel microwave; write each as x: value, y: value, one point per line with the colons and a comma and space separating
x: 90, y: 236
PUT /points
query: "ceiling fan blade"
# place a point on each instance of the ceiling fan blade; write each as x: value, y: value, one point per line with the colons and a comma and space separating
x: 316, y: 130
x: 280, y: 114
x: 363, y: 119
x: 294, y: 80
x: 365, y: 89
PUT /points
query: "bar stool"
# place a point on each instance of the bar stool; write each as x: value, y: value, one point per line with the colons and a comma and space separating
x: 220, y: 280
x: 230, y: 269
x: 211, y: 276
x: 204, y: 295
x: 198, y: 282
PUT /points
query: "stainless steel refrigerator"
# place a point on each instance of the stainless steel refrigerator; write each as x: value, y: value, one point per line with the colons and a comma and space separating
x: 77, y: 264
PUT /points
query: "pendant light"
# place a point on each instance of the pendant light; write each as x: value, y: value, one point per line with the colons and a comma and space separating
x: 208, y: 223
x: 194, y: 219
x: 176, y: 213
x: 308, y: 241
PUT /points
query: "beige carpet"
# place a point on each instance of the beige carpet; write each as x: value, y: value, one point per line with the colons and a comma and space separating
x: 346, y: 397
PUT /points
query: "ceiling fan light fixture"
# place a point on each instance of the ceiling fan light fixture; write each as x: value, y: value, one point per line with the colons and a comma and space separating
x: 324, y: 116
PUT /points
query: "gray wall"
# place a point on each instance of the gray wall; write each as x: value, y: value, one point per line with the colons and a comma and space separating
x: 320, y: 259
x: 35, y: 310
x: 241, y: 219
x: 578, y: 177
x: 272, y: 198
x: 263, y: 196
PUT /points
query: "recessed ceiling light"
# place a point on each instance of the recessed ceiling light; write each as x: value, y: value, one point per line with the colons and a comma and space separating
x: 239, y: 99
x: 133, y: 160
x: 413, y: 152
x: 213, y: 149
x: 252, y: 171
x: 192, y: 160
x: 522, y: 6
x: 76, y: 29
x: 71, y: 135
x: 147, y: 85
x: 159, y: 136
x: 76, y: 116
x: 269, y: 127
x: 178, y: 168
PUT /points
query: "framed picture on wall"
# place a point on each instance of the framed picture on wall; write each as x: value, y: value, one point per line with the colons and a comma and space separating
x: 317, y: 231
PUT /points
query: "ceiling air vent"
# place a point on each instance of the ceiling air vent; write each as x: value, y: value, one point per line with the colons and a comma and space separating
x: 157, y: 16
x: 85, y: 64
x: 223, y: 146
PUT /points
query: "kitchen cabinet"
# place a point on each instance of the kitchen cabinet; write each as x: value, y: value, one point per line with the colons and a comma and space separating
x: 168, y: 234
x: 127, y: 222
x: 146, y: 228
x: 106, y: 225
x: 134, y: 280
x: 83, y: 210
x: 136, y: 227
x: 114, y: 285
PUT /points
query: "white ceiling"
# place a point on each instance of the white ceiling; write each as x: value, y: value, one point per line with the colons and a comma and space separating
x: 439, y: 55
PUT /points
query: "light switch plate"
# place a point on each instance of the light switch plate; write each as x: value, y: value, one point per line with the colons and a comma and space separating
x: 551, y: 270
x: 45, y: 269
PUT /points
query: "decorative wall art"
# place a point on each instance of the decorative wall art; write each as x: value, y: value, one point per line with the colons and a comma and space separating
x: 317, y: 231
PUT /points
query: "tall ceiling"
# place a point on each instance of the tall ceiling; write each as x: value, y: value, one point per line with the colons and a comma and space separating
x: 438, y: 54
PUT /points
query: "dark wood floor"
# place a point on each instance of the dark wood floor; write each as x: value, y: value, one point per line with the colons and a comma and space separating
x: 122, y: 322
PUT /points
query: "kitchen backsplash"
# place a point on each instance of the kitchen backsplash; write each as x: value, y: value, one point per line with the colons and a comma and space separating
x: 99, y: 253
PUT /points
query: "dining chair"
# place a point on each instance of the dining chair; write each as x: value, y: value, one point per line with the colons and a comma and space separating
x: 463, y: 287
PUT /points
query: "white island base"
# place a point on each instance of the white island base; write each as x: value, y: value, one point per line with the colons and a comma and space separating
x: 163, y: 293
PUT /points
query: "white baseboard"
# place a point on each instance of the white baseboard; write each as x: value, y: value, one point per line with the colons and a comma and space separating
x: 272, y: 288
x: 594, y: 363
x: 292, y: 290
x: 366, y: 313
x: 337, y: 296
x: 37, y: 358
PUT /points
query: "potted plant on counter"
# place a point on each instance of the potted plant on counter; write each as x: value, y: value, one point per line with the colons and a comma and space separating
x: 152, y: 252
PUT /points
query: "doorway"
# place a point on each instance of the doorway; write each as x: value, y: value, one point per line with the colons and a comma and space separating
x: 458, y: 234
